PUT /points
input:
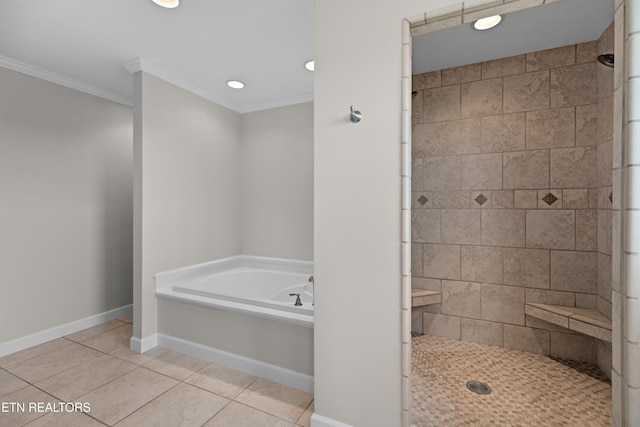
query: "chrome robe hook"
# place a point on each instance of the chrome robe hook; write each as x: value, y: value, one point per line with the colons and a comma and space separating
x: 356, y: 116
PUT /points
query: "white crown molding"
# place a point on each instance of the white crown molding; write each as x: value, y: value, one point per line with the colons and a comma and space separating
x: 50, y: 76
x: 139, y: 64
x: 282, y: 102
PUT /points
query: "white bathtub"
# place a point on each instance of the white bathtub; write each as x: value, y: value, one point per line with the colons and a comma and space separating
x: 256, y: 286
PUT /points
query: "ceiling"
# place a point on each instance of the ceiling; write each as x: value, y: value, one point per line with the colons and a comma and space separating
x: 553, y: 25
x: 199, y: 45
x: 202, y: 44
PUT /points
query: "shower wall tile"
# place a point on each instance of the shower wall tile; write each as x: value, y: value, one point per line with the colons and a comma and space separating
x: 605, y: 163
x: 526, y: 169
x: 504, y: 304
x: 481, y: 199
x: 416, y: 259
x: 481, y: 98
x: 586, y: 125
x: 461, y: 299
x: 550, y: 199
x: 463, y: 74
x: 481, y: 264
x: 426, y: 283
x: 441, y: 325
x: 427, y: 140
x: 574, y: 167
x: 554, y: 128
x: 503, y: 67
x: 574, y: 271
x: 503, y: 227
x: 593, y: 198
x: 574, y: 85
x: 426, y: 226
x: 417, y: 106
x: 496, y: 139
x: 442, y: 173
x: 604, y: 231
x: 551, y: 297
x: 573, y: 347
x: 586, y: 52
x: 525, y: 199
x: 441, y: 261
x: 604, y: 277
x: 586, y: 230
x: 586, y: 301
x: 461, y: 226
x: 487, y: 333
x: 575, y: 198
x: 462, y: 136
x: 526, y: 92
x: 551, y: 58
x: 417, y: 175
x: 550, y: 229
x: 502, y: 199
x: 416, y: 322
x: 526, y: 267
x: 503, y: 133
x: 481, y: 171
x: 426, y: 80
x: 605, y: 197
x: 605, y: 119
x: 443, y: 103
x: 448, y: 199
x: 527, y: 339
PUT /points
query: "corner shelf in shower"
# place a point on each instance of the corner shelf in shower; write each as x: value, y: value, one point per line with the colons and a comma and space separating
x: 422, y: 297
x: 584, y: 320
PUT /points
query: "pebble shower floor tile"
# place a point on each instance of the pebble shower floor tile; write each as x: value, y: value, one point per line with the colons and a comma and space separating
x: 527, y: 389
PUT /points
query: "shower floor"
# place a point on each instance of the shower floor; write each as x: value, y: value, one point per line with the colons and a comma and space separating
x: 527, y: 389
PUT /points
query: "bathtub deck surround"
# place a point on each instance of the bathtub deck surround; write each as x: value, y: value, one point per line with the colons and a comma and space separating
x: 511, y: 184
x: 251, y: 285
x: 238, y: 312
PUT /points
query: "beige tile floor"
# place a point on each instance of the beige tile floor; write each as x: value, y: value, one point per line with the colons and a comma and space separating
x: 527, y: 389
x: 157, y: 388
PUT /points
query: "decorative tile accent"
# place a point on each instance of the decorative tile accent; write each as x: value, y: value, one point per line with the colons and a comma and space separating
x: 549, y: 199
x: 423, y: 200
x: 481, y: 199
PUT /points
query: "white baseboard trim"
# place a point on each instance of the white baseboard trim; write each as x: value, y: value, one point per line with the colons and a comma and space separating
x: 244, y: 364
x: 27, y: 341
x: 320, y: 421
x: 145, y: 344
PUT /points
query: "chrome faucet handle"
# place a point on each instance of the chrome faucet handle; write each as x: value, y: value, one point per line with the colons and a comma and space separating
x: 298, y: 302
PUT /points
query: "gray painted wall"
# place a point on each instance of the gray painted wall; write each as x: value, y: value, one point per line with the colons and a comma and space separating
x: 186, y: 190
x: 276, y: 187
x: 65, y: 205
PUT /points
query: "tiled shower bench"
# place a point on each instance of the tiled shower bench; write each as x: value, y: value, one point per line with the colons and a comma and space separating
x: 422, y: 297
x: 586, y: 321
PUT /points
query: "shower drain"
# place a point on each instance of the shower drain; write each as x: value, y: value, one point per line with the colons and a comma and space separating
x: 478, y: 387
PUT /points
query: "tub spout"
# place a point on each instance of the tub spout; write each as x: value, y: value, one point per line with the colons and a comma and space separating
x: 313, y: 291
x: 298, y: 302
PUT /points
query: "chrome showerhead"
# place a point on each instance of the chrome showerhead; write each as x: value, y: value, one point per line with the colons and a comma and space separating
x: 606, y: 59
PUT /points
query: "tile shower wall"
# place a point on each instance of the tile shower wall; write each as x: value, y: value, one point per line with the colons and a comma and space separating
x: 507, y: 192
x: 605, y: 191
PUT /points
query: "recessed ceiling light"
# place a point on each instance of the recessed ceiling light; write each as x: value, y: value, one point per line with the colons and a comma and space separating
x: 488, y: 22
x: 310, y: 65
x: 235, y: 84
x: 169, y: 4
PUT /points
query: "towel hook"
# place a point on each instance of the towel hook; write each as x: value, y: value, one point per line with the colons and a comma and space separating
x: 356, y: 116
